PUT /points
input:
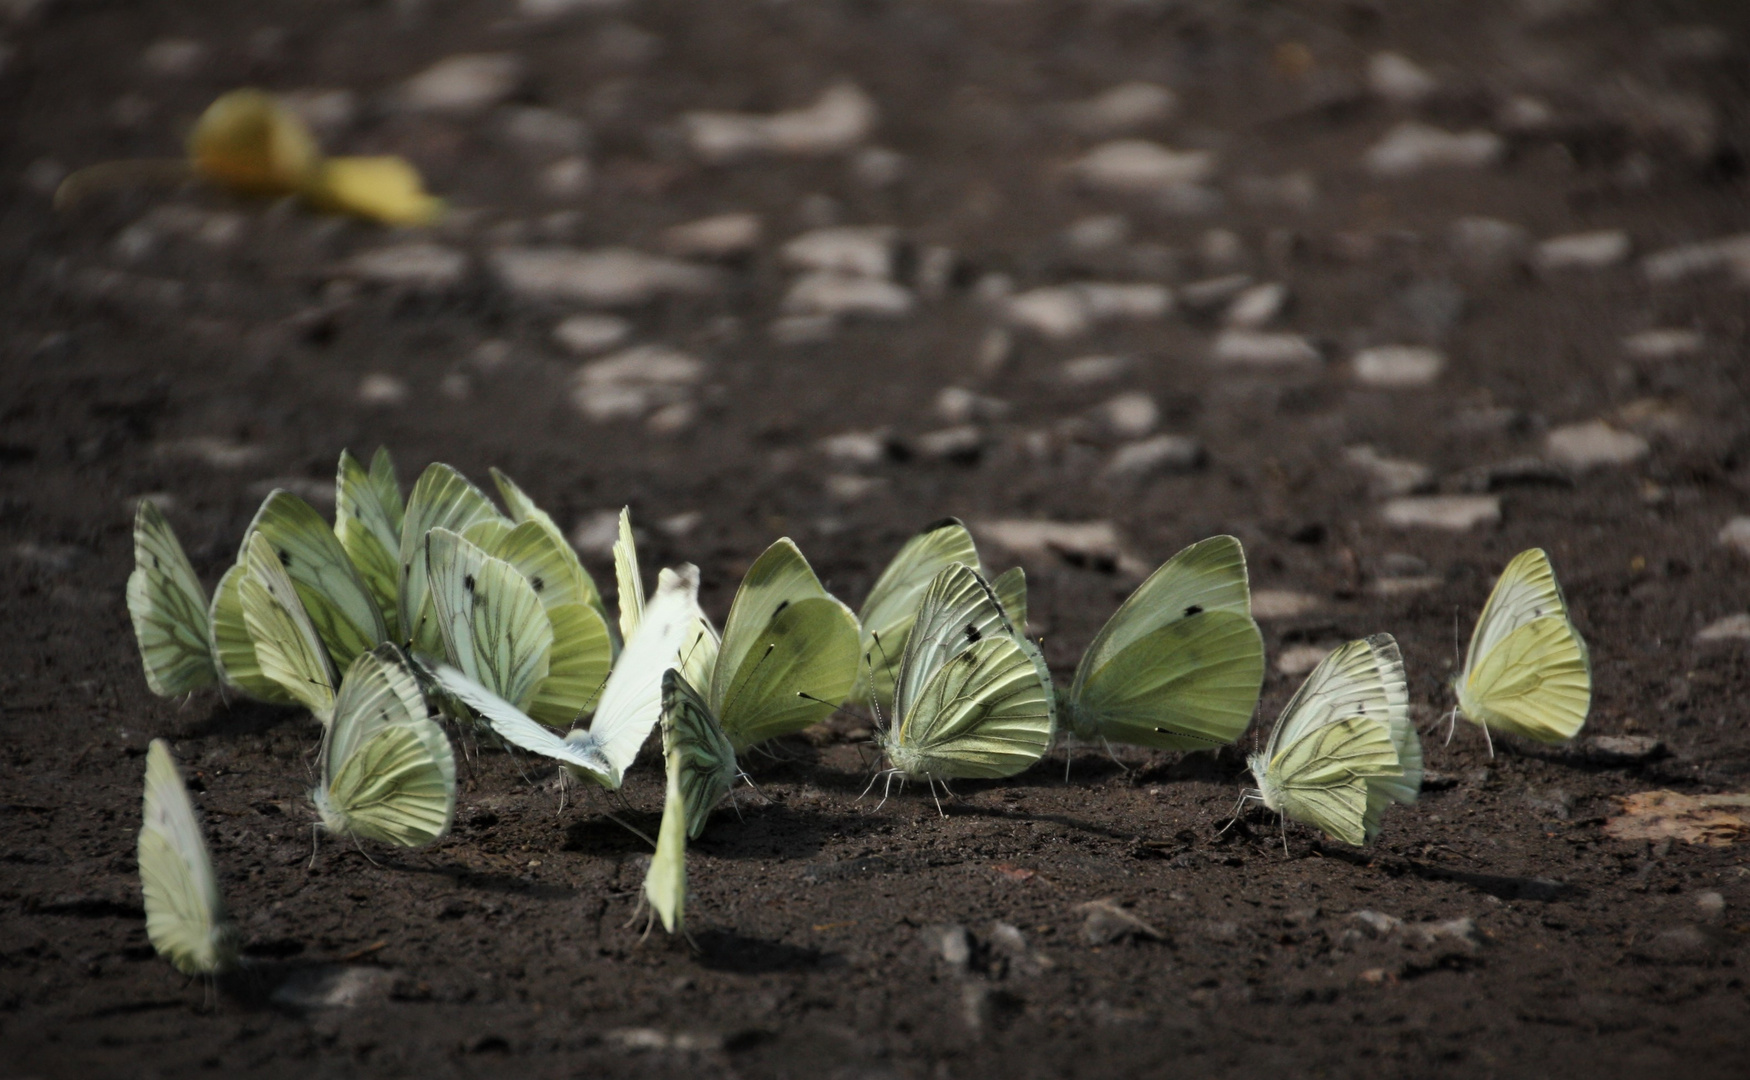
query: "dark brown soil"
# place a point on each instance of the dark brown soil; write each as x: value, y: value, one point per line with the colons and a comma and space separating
x: 505, y: 948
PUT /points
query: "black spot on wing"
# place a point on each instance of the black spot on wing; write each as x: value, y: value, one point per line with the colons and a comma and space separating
x: 468, y: 582
x: 779, y: 609
x: 285, y: 558
x: 1194, y: 609
x: 537, y: 583
x: 972, y: 634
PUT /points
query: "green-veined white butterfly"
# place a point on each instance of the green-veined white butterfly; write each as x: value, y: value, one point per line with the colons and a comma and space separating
x: 706, y: 757
x: 287, y: 646
x: 971, y: 698
x: 367, y: 522
x: 788, y: 654
x: 441, y: 498
x: 665, y: 883
x: 1527, y: 671
x: 185, y: 915
x: 892, y: 604
x: 388, y: 772
x: 492, y: 623
x: 168, y: 608
x: 1180, y: 665
x: 1333, y: 760
x: 339, y: 605
x: 631, y: 702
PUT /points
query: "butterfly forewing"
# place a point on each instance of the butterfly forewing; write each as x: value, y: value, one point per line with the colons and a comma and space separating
x: 370, y: 533
x: 796, y: 670
x: 287, y: 646
x: 665, y: 883
x: 441, y: 498
x: 233, y: 648
x: 168, y: 608
x: 958, y: 611
x: 891, y: 608
x: 986, y: 713
x: 692, y: 736
x: 185, y: 915
x: 340, y: 607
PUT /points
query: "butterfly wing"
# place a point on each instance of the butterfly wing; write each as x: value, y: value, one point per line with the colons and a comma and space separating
x: 582, y: 648
x: 168, y: 608
x: 369, y: 531
x: 665, y: 883
x: 1537, y: 682
x: 287, y: 647
x: 522, y: 511
x: 627, y: 577
x: 801, y: 664
x: 706, y: 758
x: 1011, y: 589
x: 491, y: 621
x: 519, y: 729
x: 891, y: 608
x: 1382, y: 791
x: 631, y: 702
x: 1364, y: 678
x: 185, y: 915
x: 958, y: 610
x: 777, y: 579
x: 379, y: 690
x: 1181, y: 663
x: 233, y: 648
x: 398, y: 786
x: 1321, y: 779
x: 340, y: 606
x: 1527, y: 590
x: 986, y: 713
x: 441, y: 498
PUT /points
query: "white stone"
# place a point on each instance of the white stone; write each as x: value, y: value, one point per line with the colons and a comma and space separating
x: 1124, y: 108
x: 568, y: 177
x: 635, y: 381
x: 1111, y: 300
x: 1488, y: 243
x: 1670, y: 343
x: 381, y: 389
x: 849, y: 487
x: 1149, y: 457
x: 675, y: 417
x: 1258, y: 306
x: 1090, y: 540
x: 1098, y: 232
x: 1270, y: 604
x: 878, y: 167
x: 213, y: 450
x: 1705, y: 257
x: 544, y: 130
x: 856, y: 447
x: 953, y: 442
x: 1582, y: 251
x: 1130, y: 415
x: 1398, y: 366
x: 605, y: 277
x: 1211, y: 293
x: 1454, y: 513
x: 1297, y: 660
x: 1398, y: 79
x: 957, y: 405
x: 1137, y: 166
x: 464, y: 85
x: 720, y: 236
x: 1093, y: 370
x: 1064, y: 311
x: 1731, y: 628
x: 1257, y: 348
x: 845, y: 295
x: 841, y: 118
x: 802, y: 329
x: 1413, y: 147
x: 589, y: 334
x: 857, y: 250
x: 1388, y: 477
x: 994, y: 351
x: 333, y: 987
x: 597, y: 533
x: 174, y: 57
x: 1735, y: 534
x: 1594, y: 444
x: 413, y: 264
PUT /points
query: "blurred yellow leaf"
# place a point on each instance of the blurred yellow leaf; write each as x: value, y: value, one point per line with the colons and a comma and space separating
x: 248, y: 142
x: 386, y: 189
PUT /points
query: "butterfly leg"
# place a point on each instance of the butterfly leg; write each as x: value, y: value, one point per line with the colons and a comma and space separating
x: 1490, y: 739
x: 1239, y: 808
x: 366, y: 854
x: 315, y: 837
x: 1284, y: 835
x: 932, y: 782
x: 1113, y: 754
x: 1451, y: 726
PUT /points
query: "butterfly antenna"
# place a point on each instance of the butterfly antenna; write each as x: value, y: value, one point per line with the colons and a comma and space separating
x: 730, y: 704
x: 1239, y: 808
x: 744, y: 776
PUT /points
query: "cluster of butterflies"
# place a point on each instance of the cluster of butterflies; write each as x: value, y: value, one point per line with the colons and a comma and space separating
x: 442, y: 606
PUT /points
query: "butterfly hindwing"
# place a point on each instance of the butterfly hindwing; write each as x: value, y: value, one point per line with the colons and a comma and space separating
x: 369, y: 530
x: 233, y: 648
x: 168, y: 608
x: 441, y: 498
x: 1321, y: 779
x: 287, y: 646
x: 185, y: 915
x: 665, y: 883
x: 341, y: 608
x: 492, y: 623
x: 891, y: 607
x: 705, y: 756
x: 1527, y: 670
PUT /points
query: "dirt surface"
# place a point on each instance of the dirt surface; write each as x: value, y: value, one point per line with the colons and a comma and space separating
x: 211, y: 351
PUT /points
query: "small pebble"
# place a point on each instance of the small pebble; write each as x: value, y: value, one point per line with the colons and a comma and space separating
x: 1151, y: 457
x: 1413, y: 147
x: 568, y: 177
x: 547, y: 131
x: 464, y: 85
x: 845, y: 295
x: 1283, y: 604
x: 994, y: 351
x: 431, y: 267
x: 1594, y: 444
x: 1212, y: 293
x: 1092, y: 541
x: 839, y: 119
x: 1388, y: 477
x: 1258, y: 306
x: 954, y: 443
x: 1488, y: 244
x: 1124, y: 108
x: 380, y: 389
x: 858, y: 251
x: 329, y: 113
x: 228, y: 454
x: 878, y: 167
x: 1064, y: 311
x: 605, y: 277
x: 1705, y: 257
x: 590, y: 334
x: 1297, y: 660
x: 957, y: 405
x: 1453, y: 513
x: 1106, y: 923
x: 1735, y: 534
x: 722, y: 236
x: 1664, y: 344
x: 802, y: 329
x: 633, y: 382
x: 1100, y: 232
x: 1398, y: 366
x: 849, y: 487
x: 1582, y: 251
x: 856, y: 447
x: 1398, y: 79
x: 1129, y: 415
x: 1094, y: 370
x: 174, y: 57
x: 597, y: 534
x: 1256, y: 348
x: 1731, y: 628
x: 1136, y: 166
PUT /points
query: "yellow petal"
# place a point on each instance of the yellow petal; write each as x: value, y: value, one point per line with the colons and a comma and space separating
x: 385, y: 189
x: 248, y: 142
